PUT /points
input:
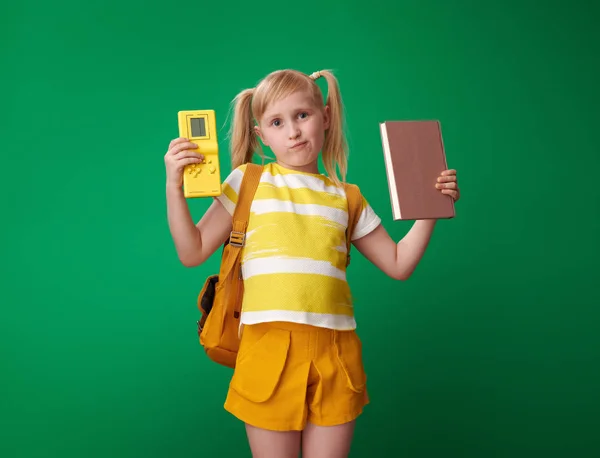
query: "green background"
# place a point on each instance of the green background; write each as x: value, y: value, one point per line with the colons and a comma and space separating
x: 491, y: 349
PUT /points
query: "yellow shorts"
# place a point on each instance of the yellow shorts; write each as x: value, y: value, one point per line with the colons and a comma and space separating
x: 287, y: 374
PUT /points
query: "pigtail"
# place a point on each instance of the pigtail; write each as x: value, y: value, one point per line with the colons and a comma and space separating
x: 335, y: 148
x: 243, y: 140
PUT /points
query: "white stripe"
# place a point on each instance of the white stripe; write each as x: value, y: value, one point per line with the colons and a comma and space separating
x: 262, y: 206
x: 301, y: 181
x: 287, y: 181
x: 227, y: 203
x: 366, y: 223
x: 324, y: 320
x: 285, y: 265
x: 235, y: 180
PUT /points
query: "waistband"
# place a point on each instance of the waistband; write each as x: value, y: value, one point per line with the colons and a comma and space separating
x: 298, y: 327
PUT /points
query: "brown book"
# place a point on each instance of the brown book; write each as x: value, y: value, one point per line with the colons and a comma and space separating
x: 414, y: 158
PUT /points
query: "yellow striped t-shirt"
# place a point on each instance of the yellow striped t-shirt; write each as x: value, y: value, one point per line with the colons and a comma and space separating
x: 294, y: 259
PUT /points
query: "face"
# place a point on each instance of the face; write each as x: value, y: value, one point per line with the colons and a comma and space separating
x: 294, y: 129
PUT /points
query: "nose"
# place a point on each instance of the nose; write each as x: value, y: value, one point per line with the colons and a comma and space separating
x: 294, y: 131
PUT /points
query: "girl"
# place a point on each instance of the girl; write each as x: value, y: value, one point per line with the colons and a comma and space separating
x: 299, y: 381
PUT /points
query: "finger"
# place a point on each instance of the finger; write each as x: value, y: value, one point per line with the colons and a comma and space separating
x: 183, y: 146
x: 188, y: 153
x: 451, y: 185
x: 448, y: 172
x: 176, y: 141
x: 189, y: 160
x: 186, y: 145
x: 451, y: 193
x: 446, y: 178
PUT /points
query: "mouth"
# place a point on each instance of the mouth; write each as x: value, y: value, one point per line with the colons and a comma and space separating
x: 299, y: 145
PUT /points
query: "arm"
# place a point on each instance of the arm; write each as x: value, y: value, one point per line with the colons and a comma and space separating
x: 397, y: 260
x: 195, y: 243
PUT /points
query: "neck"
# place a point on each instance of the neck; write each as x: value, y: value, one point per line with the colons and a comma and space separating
x: 307, y: 168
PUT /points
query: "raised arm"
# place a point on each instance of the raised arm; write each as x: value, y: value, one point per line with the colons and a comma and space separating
x: 194, y: 243
x: 397, y: 260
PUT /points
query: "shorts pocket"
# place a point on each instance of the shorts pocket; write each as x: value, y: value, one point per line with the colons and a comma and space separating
x: 349, y: 353
x: 260, y: 364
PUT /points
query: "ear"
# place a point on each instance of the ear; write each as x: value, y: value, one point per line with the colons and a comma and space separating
x: 260, y: 135
x: 326, y: 117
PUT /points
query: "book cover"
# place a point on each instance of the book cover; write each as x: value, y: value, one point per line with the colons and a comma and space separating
x: 414, y: 158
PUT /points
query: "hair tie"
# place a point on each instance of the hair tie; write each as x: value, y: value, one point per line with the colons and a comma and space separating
x: 316, y: 75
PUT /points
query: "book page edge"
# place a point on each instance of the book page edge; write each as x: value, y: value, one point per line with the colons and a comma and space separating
x: 390, y: 171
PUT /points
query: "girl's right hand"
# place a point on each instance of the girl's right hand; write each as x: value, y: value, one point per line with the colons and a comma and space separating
x: 178, y: 156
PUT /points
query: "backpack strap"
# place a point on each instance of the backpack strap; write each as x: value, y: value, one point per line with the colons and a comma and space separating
x: 237, y: 237
x: 355, y: 201
x: 242, y: 208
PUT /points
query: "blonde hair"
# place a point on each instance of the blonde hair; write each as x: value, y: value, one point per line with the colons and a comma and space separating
x: 250, y: 105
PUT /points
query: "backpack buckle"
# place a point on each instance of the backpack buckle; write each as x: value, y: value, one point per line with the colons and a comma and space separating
x: 237, y: 239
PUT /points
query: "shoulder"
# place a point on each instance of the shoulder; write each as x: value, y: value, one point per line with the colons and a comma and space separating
x: 231, y: 186
x: 354, y: 194
x: 234, y: 178
x: 367, y: 219
x: 239, y: 170
x: 351, y: 187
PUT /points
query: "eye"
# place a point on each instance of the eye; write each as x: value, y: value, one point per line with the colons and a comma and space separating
x: 275, y: 122
x: 303, y: 115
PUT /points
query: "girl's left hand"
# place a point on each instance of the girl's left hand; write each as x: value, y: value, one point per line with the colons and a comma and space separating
x: 448, y: 184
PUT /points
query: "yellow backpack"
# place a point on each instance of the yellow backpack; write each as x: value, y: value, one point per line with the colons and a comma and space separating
x: 220, y: 299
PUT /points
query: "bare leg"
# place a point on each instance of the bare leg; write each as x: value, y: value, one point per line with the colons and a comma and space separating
x: 273, y: 444
x: 327, y: 441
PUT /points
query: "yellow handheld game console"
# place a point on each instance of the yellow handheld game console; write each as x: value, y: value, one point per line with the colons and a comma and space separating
x: 201, y: 179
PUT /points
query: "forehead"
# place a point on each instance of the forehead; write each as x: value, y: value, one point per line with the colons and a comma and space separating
x: 294, y: 101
